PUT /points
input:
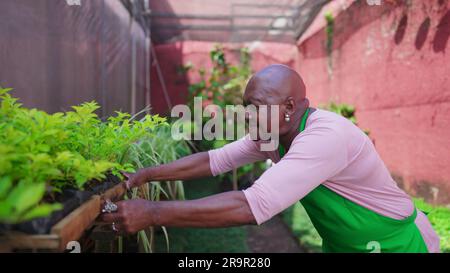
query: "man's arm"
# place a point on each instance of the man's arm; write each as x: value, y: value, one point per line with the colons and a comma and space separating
x: 220, y: 210
x: 186, y: 168
x: 204, y: 164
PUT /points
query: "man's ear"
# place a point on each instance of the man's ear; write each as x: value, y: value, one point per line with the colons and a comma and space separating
x: 304, y: 104
x: 290, y: 105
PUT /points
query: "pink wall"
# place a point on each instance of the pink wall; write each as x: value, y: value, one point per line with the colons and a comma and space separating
x: 391, y: 62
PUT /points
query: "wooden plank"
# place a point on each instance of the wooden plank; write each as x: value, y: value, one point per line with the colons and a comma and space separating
x: 72, y: 227
x: 5, y: 248
x: 115, y: 193
x: 18, y: 240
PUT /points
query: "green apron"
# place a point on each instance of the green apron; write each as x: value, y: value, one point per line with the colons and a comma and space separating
x: 348, y: 227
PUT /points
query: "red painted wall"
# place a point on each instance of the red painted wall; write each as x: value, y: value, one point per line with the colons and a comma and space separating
x: 392, y: 62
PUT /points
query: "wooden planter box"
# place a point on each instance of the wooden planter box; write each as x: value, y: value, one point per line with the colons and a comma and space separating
x: 68, y: 229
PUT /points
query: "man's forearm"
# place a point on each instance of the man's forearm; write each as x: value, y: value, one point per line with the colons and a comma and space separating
x: 186, y: 168
x: 220, y: 210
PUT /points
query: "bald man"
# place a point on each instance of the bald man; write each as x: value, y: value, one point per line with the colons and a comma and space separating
x: 323, y: 160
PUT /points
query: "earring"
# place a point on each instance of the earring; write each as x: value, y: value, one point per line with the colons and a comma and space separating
x: 287, y: 118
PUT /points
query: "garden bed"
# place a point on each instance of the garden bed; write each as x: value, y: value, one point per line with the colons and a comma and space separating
x: 55, y: 169
x: 57, y: 230
x: 70, y: 199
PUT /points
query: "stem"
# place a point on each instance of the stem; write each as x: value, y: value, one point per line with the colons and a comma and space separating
x: 235, y: 180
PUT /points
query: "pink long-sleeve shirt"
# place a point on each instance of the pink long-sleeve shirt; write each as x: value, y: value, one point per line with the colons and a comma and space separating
x: 331, y: 151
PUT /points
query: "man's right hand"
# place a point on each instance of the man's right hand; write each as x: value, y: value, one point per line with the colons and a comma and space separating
x: 190, y: 167
x: 136, y: 179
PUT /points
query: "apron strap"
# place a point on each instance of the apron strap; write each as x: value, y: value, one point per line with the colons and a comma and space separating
x: 281, y: 149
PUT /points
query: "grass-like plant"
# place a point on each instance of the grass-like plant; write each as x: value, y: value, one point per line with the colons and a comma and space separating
x: 158, y: 149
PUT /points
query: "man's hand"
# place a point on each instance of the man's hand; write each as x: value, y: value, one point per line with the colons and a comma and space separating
x: 186, y: 168
x: 131, y: 216
x: 136, y: 179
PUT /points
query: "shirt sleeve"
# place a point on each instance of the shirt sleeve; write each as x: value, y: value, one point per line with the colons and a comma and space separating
x: 233, y: 155
x: 313, y: 158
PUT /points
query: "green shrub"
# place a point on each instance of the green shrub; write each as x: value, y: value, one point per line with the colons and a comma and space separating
x: 343, y: 109
x: 439, y: 217
x: 42, y: 154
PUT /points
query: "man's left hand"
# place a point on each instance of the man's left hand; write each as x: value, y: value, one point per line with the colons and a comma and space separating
x: 131, y: 216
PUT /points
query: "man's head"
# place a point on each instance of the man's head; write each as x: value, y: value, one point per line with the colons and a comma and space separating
x: 278, y: 85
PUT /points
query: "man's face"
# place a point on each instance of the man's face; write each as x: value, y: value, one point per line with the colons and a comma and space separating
x: 263, y: 114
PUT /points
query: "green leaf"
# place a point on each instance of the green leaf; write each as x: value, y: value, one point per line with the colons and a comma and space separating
x: 25, y: 196
x: 4, y: 90
x: 43, y: 210
x: 5, y: 185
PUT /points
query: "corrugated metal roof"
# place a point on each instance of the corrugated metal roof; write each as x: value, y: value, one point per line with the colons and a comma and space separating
x: 231, y: 20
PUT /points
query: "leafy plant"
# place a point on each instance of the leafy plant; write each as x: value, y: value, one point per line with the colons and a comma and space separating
x: 224, y: 84
x: 439, y: 217
x: 329, y: 30
x: 343, y: 109
x: 42, y: 154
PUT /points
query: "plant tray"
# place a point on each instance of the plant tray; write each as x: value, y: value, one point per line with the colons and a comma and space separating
x: 68, y: 229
